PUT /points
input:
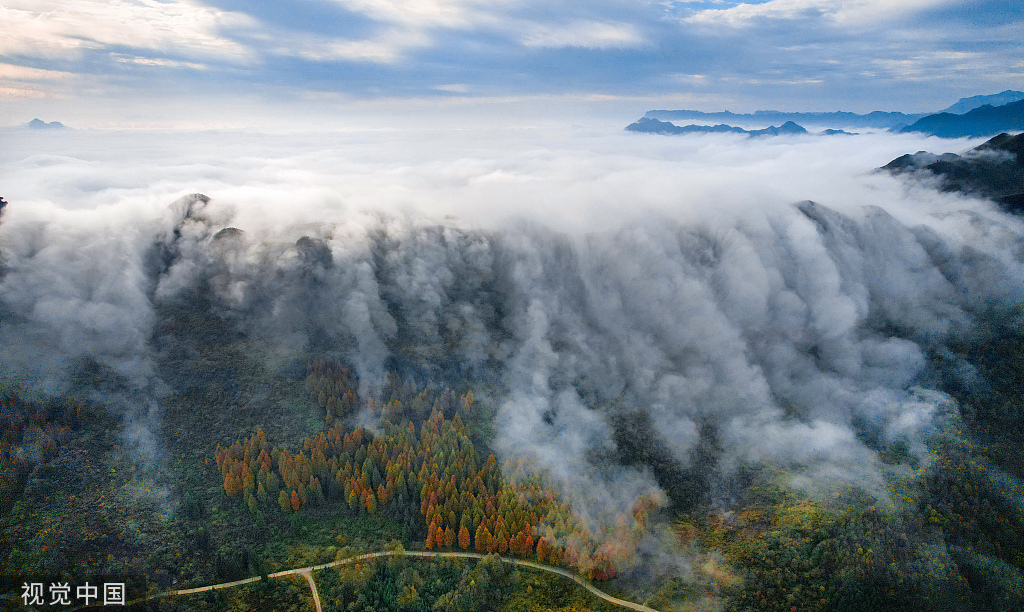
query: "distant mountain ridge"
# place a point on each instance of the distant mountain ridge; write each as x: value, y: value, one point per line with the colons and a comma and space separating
x: 654, y: 126
x: 875, y: 119
x: 982, y: 115
x: 969, y: 104
x: 985, y: 120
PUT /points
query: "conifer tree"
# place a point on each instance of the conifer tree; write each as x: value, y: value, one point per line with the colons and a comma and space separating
x: 431, y: 534
x: 480, y: 540
x: 542, y: 549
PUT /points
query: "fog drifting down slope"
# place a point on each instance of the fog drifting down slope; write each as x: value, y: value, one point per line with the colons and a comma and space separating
x: 590, y: 273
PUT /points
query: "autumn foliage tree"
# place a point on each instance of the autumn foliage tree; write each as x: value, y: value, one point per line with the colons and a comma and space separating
x: 428, y: 476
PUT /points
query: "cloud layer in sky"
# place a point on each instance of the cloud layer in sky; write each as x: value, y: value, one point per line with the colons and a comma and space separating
x: 909, y: 55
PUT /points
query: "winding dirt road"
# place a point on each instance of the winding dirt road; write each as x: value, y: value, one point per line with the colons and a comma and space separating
x: 307, y: 573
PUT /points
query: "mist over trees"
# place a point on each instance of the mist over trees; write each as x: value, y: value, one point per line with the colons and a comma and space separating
x: 746, y: 407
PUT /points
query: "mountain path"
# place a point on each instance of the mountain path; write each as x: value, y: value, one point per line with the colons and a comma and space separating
x: 307, y: 573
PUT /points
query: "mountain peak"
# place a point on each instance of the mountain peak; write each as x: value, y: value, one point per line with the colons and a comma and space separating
x: 39, y: 124
x: 985, y: 120
x: 969, y: 104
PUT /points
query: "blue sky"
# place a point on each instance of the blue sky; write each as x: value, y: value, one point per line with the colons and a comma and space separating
x: 100, y: 57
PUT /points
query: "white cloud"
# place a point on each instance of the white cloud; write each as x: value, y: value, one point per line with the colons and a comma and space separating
x: 23, y: 93
x: 692, y: 79
x: 408, y: 26
x: 584, y: 34
x: 388, y: 47
x: 26, y: 83
x: 416, y: 24
x: 25, y: 73
x: 937, y: 65
x: 838, y: 11
x: 158, y: 62
x: 770, y: 81
x: 425, y: 13
x: 66, y: 28
x: 452, y: 88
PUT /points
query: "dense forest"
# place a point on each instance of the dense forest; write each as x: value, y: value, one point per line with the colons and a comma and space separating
x: 951, y: 536
x: 430, y: 479
x: 32, y: 433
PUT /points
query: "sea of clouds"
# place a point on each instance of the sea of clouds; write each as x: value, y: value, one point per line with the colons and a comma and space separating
x: 777, y: 287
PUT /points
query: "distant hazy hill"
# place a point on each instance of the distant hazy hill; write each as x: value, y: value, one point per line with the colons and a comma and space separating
x: 985, y: 126
x: 994, y: 169
x: 985, y: 120
x: 969, y: 104
x: 654, y: 126
x: 39, y: 124
x: 876, y: 119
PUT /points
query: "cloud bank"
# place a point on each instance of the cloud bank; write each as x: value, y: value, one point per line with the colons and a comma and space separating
x: 775, y: 290
x: 67, y: 29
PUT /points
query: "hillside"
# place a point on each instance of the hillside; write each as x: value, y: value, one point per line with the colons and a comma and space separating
x: 993, y: 170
